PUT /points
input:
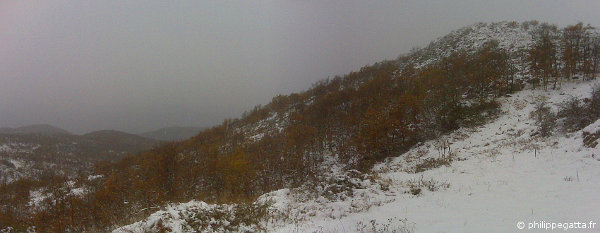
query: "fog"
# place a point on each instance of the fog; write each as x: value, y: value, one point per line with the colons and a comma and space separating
x: 141, y: 65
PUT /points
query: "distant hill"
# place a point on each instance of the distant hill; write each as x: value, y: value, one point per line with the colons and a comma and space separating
x: 176, y: 133
x: 117, y: 140
x: 5, y: 130
x: 44, y: 129
x: 29, y: 151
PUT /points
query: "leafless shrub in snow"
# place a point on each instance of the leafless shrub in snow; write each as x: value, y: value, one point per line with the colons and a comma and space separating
x: 431, y: 163
x: 416, y: 185
x: 544, y: 118
x: 594, y: 104
x: 574, y: 113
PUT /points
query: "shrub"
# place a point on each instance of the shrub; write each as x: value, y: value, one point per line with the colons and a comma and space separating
x: 594, y: 104
x: 415, y: 191
x: 432, y: 163
x: 575, y: 114
x: 479, y: 113
x: 393, y: 225
x: 416, y: 185
x: 544, y: 118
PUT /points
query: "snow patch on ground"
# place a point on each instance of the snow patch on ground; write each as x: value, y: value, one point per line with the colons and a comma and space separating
x: 94, y: 177
x: 36, y: 197
x: 13, y: 147
x: 189, y: 217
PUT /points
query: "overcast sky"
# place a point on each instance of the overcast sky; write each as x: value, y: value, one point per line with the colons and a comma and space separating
x: 141, y: 65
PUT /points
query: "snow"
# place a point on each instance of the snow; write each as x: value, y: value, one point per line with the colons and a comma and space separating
x: 502, y: 173
x: 505, y: 176
x: 18, y: 164
x: 36, y: 197
x: 512, y: 39
x: 12, y: 147
x: 5, y: 148
x: 78, y: 191
x: 177, y: 218
x: 275, y: 123
x: 515, y: 39
x: 175, y: 223
x: 11, y: 169
x: 593, y: 128
x: 94, y: 177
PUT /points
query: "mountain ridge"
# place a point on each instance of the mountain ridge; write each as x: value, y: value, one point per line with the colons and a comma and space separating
x: 34, y: 129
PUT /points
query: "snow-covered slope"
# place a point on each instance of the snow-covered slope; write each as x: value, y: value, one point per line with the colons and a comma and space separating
x: 501, y: 174
x: 506, y: 176
x: 514, y: 38
x: 511, y: 36
x: 13, y: 168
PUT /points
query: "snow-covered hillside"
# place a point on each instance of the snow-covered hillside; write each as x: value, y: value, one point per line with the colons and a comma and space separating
x: 501, y: 174
x: 514, y: 38
x: 26, y: 155
x: 12, y: 168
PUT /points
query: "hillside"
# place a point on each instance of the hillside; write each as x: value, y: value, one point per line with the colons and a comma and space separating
x: 37, y: 150
x: 501, y: 173
x: 120, y: 141
x: 175, y: 133
x: 375, y: 139
x: 512, y: 37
